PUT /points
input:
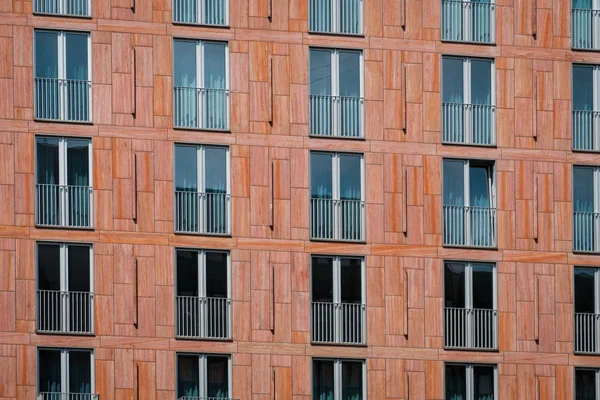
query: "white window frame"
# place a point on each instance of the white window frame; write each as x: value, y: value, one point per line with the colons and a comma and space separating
x: 62, y: 70
x: 596, y: 380
x: 64, y: 367
x: 470, y: 378
x: 595, y: 97
x: 596, y: 183
x: 337, y: 375
x: 203, y: 371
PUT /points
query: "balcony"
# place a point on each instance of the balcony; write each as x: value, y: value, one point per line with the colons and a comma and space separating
x: 467, y: 328
x: 584, y: 127
x: 332, y: 219
x: 336, y: 16
x: 202, y: 213
x: 343, y: 323
x: 64, y: 206
x: 65, y: 312
x: 204, y: 398
x: 201, y: 108
x: 62, y: 99
x: 585, y: 228
x: 74, y: 8
x: 67, y: 396
x: 201, y: 12
x: 469, y: 226
x: 587, y: 329
x: 203, y: 317
x: 583, y: 24
x: 468, y: 124
x: 340, y: 116
x: 468, y: 21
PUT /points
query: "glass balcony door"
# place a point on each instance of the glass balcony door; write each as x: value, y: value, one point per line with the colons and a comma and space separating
x: 65, y: 374
x: 470, y: 382
x: 586, y: 103
x: 586, y: 209
x: 587, y: 310
x: 338, y: 379
x: 203, y: 377
x: 586, y: 384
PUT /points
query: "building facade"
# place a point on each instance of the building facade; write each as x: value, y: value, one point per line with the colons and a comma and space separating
x: 294, y: 200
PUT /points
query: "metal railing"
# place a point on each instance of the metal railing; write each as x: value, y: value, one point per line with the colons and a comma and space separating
x: 63, y: 99
x: 67, y: 396
x: 585, y: 231
x: 336, y: 116
x: 203, y: 317
x: 469, y: 226
x: 204, y: 398
x: 336, y: 16
x: 587, y: 329
x: 64, y: 205
x: 468, y: 123
x: 76, y: 8
x: 332, y: 219
x: 468, y: 21
x: 206, y: 213
x: 584, y: 129
x: 201, y: 108
x: 583, y: 24
x: 202, y: 12
x: 469, y: 328
x: 338, y: 323
x: 65, y: 312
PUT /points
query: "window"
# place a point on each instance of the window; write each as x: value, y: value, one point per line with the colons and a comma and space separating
x: 470, y: 312
x: 336, y: 16
x: 339, y: 379
x: 202, y: 12
x: 468, y: 101
x: 203, y: 299
x: 337, y: 207
x: 336, y: 103
x: 201, y: 84
x: 586, y: 103
x: 74, y: 8
x: 587, y: 310
x: 66, y: 374
x: 585, y: 21
x: 63, y: 86
x: 63, y: 189
x: 203, y: 376
x: 469, y: 204
x: 338, y: 300
x: 65, y: 288
x: 586, y: 208
x: 470, y: 382
x: 587, y: 384
x: 469, y: 21
x: 202, y: 193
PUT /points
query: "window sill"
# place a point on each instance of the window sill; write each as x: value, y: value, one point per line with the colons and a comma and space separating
x: 450, y: 246
x: 470, y: 350
x: 70, y: 16
x: 223, y: 340
x: 218, y: 235
x: 338, y: 241
x: 201, y: 25
x: 60, y: 227
x: 339, y: 34
x: 351, y: 138
x: 468, y: 42
x: 487, y: 146
x: 61, y: 121
x: 334, y: 344
x: 44, y: 333
x: 185, y: 128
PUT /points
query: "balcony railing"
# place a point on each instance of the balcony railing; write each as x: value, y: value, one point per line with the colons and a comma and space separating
x: 202, y: 213
x: 343, y: 323
x: 64, y: 205
x: 468, y: 328
x: 585, y: 231
x: 75, y: 8
x: 587, y: 329
x: 583, y: 24
x: 202, y: 12
x: 63, y: 99
x: 201, y: 108
x: 67, y: 396
x: 204, y: 398
x: 469, y: 226
x: 337, y: 219
x: 336, y: 116
x: 203, y: 317
x: 468, y: 21
x: 468, y: 123
x: 336, y: 16
x: 65, y: 312
x: 584, y: 129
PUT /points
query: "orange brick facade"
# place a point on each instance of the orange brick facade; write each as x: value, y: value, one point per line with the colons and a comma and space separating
x: 270, y: 244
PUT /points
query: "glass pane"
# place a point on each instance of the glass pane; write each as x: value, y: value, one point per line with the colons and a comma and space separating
x: 322, y: 279
x: 186, y: 173
x: 184, y: 64
x: 583, y: 189
x: 585, y: 384
x: 583, y: 88
x: 323, y: 380
x: 452, y: 80
x: 584, y: 290
x: 48, y: 267
x: 479, y: 189
x: 78, y: 162
x: 350, y: 177
x: 77, y: 55
x: 47, y: 160
x: 215, y: 170
x: 320, y: 71
x: 217, y: 377
x: 454, y: 285
x: 46, y: 54
x: 352, y: 380
x: 79, y: 268
x: 214, y: 65
x: 49, y: 370
x: 320, y: 175
x: 582, y: 4
x: 188, y: 376
x: 187, y: 273
x: 349, y: 65
x: 80, y: 372
x: 351, y: 280
x: 456, y: 386
x: 483, y: 382
x: 481, y: 82
x: 483, y: 286
x: 216, y: 274
x: 454, y: 182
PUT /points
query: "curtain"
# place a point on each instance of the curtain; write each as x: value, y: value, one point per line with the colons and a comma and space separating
x: 217, y: 377
x: 80, y: 373
x: 49, y: 371
x: 188, y: 376
x: 352, y: 380
x: 323, y: 380
x: 455, y: 382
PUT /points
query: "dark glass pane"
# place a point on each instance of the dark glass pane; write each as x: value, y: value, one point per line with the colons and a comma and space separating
x: 479, y: 189
x: 48, y: 266
x: 216, y: 274
x: 80, y: 372
x: 49, y: 370
x: 350, y: 181
x: 454, y: 182
x: 214, y: 65
x: 46, y: 54
x: 585, y: 384
x: 583, y: 87
x: 47, y: 160
x: 217, y: 371
x: 188, y: 376
x: 351, y: 280
x: 322, y: 279
x: 77, y: 55
x: 454, y: 285
x: 584, y: 290
x: 483, y: 382
x: 184, y: 63
x: 352, y: 380
x: 583, y: 189
x: 456, y: 382
x: 323, y: 380
x: 452, y: 80
x: 215, y: 165
x: 481, y: 82
x: 320, y: 175
x: 186, y: 172
x: 320, y: 71
x: 79, y: 268
x: 78, y: 162
x: 483, y: 286
x: 187, y: 273
x: 349, y: 64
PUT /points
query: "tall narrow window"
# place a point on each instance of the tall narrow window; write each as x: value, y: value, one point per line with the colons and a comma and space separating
x: 201, y: 84
x: 66, y: 374
x: 203, y: 376
x: 73, y: 8
x: 203, y: 299
x: 469, y: 21
x: 587, y: 384
x: 64, y: 193
x: 201, y: 12
x: 470, y: 312
x: 470, y: 382
x: 336, y: 16
x: 586, y: 106
x: 336, y: 103
x: 338, y: 379
x: 65, y: 288
x: 587, y: 310
x: 468, y: 101
x: 63, y: 84
x: 337, y: 206
x: 469, y: 205
x: 585, y: 24
x: 338, y: 300
x: 202, y: 194
x: 586, y: 209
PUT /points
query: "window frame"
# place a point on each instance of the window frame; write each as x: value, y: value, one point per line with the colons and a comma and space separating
x: 200, y: 11
x: 203, y: 371
x: 60, y: 6
x: 595, y: 104
x: 467, y: 26
x: 596, y: 380
x: 335, y: 20
x: 337, y: 375
x: 469, y: 382
x: 596, y: 183
x: 64, y: 366
x: 201, y: 166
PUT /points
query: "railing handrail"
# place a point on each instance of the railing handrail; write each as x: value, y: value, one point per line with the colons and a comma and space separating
x: 205, y: 398
x: 587, y: 213
x: 203, y: 317
x: 88, y: 81
x: 335, y: 96
x: 361, y: 304
x: 67, y: 396
x: 495, y: 310
x: 471, y: 328
x: 454, y: 103
x: 337, y: 322
x: 65, y: 186
x: 468, y: 207
x: 204, y: 297
x: 200, y: 88
x: 203, y: 192
x: 477, y: 3
x: 65, y: 291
